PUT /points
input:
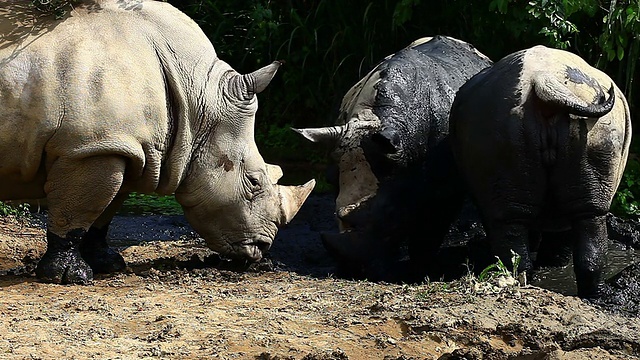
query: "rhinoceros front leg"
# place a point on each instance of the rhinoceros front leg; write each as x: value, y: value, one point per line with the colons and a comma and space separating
x: 554, y: 248
x: 62, y: 263
x: 505, y: 237
x: 589, y: 255
x: 94, y: 247
x: 78, y: 191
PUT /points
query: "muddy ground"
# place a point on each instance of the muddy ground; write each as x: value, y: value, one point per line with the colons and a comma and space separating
x: 177, y: 300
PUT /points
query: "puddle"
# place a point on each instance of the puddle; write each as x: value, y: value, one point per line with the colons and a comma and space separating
x: 562, y: 280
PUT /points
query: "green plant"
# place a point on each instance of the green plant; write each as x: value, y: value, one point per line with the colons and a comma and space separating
x: 144, y: 204
x: 499, y: 269
x: 626, y: 201
x: 20, y: 211
x: 620, y: 38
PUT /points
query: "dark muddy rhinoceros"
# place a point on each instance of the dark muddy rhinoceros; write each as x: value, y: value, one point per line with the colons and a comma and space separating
x: 542, y: 140
x: 396, y: 178
x: 113, y: 99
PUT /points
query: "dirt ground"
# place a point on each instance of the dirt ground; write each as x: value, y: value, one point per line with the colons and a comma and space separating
x: 177, y: 300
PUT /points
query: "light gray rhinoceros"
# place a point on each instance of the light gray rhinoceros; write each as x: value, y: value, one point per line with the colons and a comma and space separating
x: 113, y: 99
x: 542, y: 139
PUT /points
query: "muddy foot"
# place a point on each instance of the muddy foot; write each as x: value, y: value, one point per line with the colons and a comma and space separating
x: 97, y: 253
x: 64, y: 268
x: 103, y: 260
x: 62, y: 263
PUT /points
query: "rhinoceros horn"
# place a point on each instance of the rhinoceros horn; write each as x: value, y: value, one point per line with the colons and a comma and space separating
x: 322, y: 135
x: 292, y: 198
x: 245, y: 86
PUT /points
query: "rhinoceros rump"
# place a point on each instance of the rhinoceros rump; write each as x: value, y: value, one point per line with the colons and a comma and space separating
x: 542, y: 139
x: 397, y: 180
x: 113, y: 99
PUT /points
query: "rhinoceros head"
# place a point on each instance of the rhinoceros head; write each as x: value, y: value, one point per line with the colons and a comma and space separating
x: 230, y: 195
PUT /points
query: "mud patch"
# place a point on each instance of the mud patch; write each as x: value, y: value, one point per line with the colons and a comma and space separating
x: 179, y: 300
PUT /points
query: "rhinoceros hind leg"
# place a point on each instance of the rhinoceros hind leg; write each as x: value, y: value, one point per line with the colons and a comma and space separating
x: 62, y: 262
x: 96, y: 252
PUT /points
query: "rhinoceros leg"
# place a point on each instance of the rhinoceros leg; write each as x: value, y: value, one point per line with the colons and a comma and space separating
x: 96, y: 252
x: 506, y: 237
x: 589, y: 255
x: 62, y: 262
x: 424, y: 248
x: 78, y: 191
x: 95, y: 249
x: 554, y: 248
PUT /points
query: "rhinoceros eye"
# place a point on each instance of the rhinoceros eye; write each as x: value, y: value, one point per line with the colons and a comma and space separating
x: 254, y: 183
x: 252, y: 186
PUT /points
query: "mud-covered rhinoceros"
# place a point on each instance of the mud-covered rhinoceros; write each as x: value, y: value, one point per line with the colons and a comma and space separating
x: 542, y: 139
x: 124, y: 96
x: 397, y: 181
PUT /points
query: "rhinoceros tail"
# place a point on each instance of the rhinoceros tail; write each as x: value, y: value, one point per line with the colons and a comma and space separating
x: 551, y: 91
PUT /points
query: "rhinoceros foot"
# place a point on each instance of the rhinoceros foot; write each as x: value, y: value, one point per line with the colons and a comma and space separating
x: 101, y: 258
x: 104, y: 260
x: 62, y: 263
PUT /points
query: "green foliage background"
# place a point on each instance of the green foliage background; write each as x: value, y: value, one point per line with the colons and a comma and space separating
x: 329, y: 44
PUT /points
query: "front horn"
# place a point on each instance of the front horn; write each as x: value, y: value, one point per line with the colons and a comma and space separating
x: 292, y: 198
x: 328, y: 134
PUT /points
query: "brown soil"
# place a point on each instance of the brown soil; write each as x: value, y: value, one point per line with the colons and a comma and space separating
x: 171, y: 305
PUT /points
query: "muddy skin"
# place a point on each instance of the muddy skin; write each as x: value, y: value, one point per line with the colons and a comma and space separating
x: 62, y: 263
x: 97, y: 253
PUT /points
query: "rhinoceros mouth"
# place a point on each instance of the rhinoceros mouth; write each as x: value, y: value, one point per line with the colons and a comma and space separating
x: 251, y: 249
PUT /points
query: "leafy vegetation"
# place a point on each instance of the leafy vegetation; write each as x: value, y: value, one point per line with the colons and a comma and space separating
x: 499, y: 269
x: 493, y: 279
x: 143, y: 204
x: 20, y: 211
x: 329, y: 44
x: 626, y: 203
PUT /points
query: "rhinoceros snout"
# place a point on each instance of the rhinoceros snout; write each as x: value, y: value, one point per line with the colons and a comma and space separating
x: 250, y: 250
x: 353, y: 217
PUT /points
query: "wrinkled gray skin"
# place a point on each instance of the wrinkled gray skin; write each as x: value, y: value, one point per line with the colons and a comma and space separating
x: 542, y: 139
x: 130, y: 96
x: 396, y: 178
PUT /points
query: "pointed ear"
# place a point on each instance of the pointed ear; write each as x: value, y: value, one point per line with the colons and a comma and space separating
x: 274, y: 172
x: 245, y: 86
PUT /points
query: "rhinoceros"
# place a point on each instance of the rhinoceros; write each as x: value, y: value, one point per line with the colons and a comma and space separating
x: 397, y: 180
x: 115, y: 98
x: 542, y: 140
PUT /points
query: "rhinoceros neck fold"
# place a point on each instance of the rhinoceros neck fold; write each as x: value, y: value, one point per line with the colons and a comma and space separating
x: 191, y: 77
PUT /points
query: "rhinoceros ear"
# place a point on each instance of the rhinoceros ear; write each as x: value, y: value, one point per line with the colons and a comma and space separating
x: 245, y: 86
x: 329, y: 134
x: 274, y: 172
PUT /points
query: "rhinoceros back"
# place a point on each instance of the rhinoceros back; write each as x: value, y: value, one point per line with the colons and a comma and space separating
x: 115, y: 77
x: 426, y: 75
